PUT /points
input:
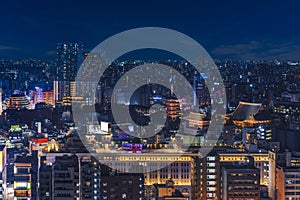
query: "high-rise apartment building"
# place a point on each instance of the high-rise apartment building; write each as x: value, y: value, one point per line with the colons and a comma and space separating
x: 89, y: 178
x: 209, y: 178
x: 45, y: 188
x: 67, y: 61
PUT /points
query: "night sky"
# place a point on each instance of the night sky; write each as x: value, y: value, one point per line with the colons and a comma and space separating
x: 239, y: 29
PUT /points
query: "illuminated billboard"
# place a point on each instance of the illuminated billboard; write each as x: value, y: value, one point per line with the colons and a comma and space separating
x: 105, y: 126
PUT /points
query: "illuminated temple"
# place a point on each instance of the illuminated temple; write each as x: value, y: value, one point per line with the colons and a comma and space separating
x: 249, y: 115
x: 252, y: 125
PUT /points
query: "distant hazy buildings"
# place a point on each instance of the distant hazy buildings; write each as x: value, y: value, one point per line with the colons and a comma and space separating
x: 40, y: 96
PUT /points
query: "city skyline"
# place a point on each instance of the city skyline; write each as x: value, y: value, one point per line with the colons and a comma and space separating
x: 193, y: 100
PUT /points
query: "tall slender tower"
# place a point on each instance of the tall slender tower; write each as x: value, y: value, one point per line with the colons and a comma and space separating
x: 1, y: 99
x: 195, y: 90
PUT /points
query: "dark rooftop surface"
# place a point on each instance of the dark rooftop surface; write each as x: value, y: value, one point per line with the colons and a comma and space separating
x: 23, y: 159
x: 245, y: 110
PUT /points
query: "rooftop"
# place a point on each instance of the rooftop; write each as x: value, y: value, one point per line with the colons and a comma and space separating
x: 245, y: 111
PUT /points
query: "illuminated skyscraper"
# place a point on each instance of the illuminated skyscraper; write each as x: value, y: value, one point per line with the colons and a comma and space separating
x: 69, y: 58
x: 67, y: 61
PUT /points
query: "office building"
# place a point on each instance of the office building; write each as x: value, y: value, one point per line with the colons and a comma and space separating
x: 69, y: 176
x: 65, y: 178
x: 240, y: 181
x: 45, y: 181
x: 288, y: 182
x: 22, y: 178
x: 115, y: 185
x: 40, y: 96
x: 261, y: 161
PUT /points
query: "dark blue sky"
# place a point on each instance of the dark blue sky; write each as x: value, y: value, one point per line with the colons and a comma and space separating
x: 238, y: 29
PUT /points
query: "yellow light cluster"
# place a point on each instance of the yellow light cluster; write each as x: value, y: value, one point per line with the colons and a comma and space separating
x: 243, y: 157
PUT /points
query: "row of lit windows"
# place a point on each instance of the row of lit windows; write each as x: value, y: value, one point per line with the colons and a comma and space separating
x: 248, y: 175
x: 243, y: 158
x: 149, y: 158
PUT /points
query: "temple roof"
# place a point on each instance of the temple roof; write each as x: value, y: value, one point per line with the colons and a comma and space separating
x: 245, y: 111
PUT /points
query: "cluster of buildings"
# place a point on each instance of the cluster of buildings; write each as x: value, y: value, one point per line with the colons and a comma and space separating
x: 45, y: 155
